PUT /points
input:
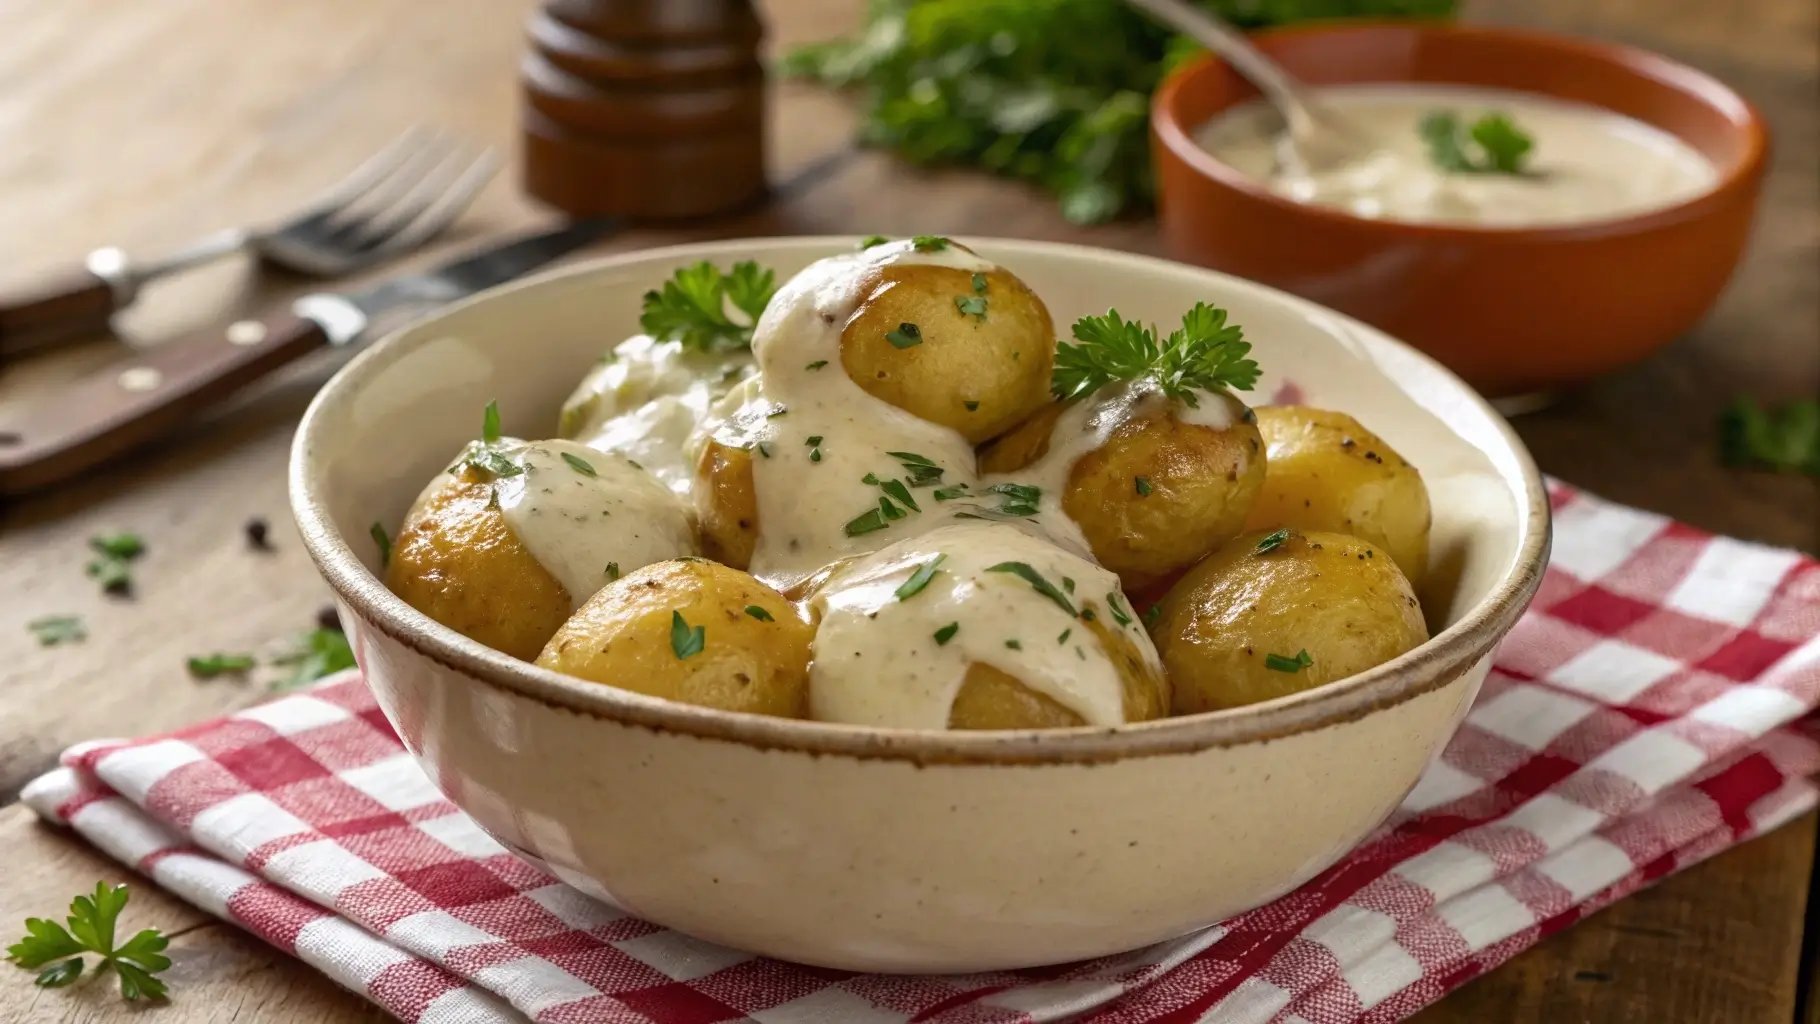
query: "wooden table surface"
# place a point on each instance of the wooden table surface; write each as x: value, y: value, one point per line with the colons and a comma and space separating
x: 141, y: 124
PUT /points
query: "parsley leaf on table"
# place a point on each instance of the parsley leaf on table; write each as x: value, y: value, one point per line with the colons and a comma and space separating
x: 52, y: 630
x: 209, y: 666
x: 1205, y: 354
x: 1785, y: 438
x: 113, y: 551
x: 58, y: 949
x: 691, y: 307
x: 1491, y: 145
x: 321, y: 652
x: 1053, y: 92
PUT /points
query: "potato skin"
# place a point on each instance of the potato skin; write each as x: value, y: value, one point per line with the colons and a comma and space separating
x: 1327, y: 472
x: 990, y: 698
x: 1339, y: 598
x: 1023, y: 444
x: 1000, y: 363
x: 622, y: 637
x: 457, y: 561
x: 726, y: 503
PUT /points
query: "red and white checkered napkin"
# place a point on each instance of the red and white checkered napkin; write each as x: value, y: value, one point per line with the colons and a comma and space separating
x: 1638, y: 721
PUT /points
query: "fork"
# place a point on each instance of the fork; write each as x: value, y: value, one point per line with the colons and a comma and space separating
x: 403, y: 196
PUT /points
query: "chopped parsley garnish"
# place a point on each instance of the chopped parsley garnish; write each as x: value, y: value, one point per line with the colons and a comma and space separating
x: 1020, y: 501
x: 756, y: 612
x: 113, y: 575
x: 92, y: 924
x: 1491, y: 145
x: 485, y: 456
x: 1785, y: 438
x: 971, y: 305
x: 764, y: 448
x: 123, y: 546
x: 907, y: 335
x: 1279, y: 663
x: 612, y: 571
x: 691, y: 307
x: 951, y: 493
x: 972, y: 406
x: 211, y: 665
x: 929, y: 243
x: 897, y: 490
x: 815, y: 455
x: 110, y: 569
x: 489, y: 423
x: 815, y: 450
x: 946, y: 633
x: 979, y: 283
x: 493, y: 498
x: 52, y: 630
x: 776, y: 411
x: 686, y: 641
x: 1068, y: 585
x: 920, y: 578
x: 1272, y: 542
x: 1152, y: 614
x: 889, y: 510
x: 1023, y: 571
x: 922, y: 471
x: 384, y: 541
x: 1014, y: 645
x: 1066, y: 633
x: 1143, y: 486
x: 864, y: 523
x: 578, y: 464
x: 1087, y: 615
x: 1205, y: 354
x: 818, y: 364
x: 871, y: 240
x: 1114, y: 605
x: 320, y: 652
x: 813, y: 440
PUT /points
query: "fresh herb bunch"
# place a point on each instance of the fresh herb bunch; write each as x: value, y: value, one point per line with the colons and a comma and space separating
x: 1491, y: 145
x: 59, y: 950
x: 1205, y: 354
x: 691, y: 307
x: 1785, y: 438
x: 1055, y: 92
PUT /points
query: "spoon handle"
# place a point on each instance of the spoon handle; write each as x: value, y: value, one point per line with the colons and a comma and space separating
x: 1278, y: 87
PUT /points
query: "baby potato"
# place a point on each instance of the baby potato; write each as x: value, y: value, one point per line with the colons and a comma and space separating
x: 457, y: 561
x: 726, y: 502
x: 694, y: 631
x: 990, y: 698
x: 1327, y: 472
x: 970, y: 351
x: 1273, y: 614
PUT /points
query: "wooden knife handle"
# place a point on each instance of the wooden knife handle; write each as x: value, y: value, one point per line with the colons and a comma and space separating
x: 56, y: 309
x: 135, y: 400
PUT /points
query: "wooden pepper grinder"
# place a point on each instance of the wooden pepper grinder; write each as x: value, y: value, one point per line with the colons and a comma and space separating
x: 647, y: 109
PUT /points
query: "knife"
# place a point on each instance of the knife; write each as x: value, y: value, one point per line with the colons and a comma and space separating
x: 118, y: 408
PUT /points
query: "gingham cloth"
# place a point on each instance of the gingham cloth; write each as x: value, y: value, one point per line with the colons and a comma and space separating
x: 1642, y: 717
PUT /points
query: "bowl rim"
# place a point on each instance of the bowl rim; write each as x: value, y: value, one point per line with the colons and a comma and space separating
x: 1177, y: 139
x: 1434, y: 664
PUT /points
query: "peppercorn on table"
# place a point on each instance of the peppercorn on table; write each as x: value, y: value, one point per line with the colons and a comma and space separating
x: 143, y: 125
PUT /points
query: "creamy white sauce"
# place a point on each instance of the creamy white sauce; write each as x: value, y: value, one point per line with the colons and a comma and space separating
x: 1588, y: 163
x: 585, y: 528
x: 877, y: 661
x: 645, y: 400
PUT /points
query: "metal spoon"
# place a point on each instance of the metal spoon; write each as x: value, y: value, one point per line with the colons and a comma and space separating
x: 1313, y: 140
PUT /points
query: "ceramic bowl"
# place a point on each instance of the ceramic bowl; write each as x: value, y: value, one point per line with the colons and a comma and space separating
x: 909, y: 851
x: 1510, y: 310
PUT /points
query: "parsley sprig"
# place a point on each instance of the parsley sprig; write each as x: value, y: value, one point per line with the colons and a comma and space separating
x: 1785, y: 438
x: 691, y: 307
x: 59, y: 950
x: 1205, y: 354
x: 1491, y: 145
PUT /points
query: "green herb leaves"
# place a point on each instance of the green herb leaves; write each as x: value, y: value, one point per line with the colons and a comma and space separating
x: 907, y: 335
x: 691, y: 307
x: 685, y: 640
x: 920, y: 578
x: 1025, y: 572
x: 1272, y: 541
x: 209, y: 666
x: 1785, y: 438
x: 753, y: 610
x: 1205, y: 354
x: 871, y: 240
x: 579, y: 464
x: 612, y: 572
x: 1280, y: 663
x: 1141, y: 484
x: 319, y: 653
x: 946, y: 633
x: 922, y: 472
x: 383, y: 541
x: 56, y: 951
x: 489, y: 423
x: 971, y: 305
x: 113, y: 551
x: 928, y: 243
x: 52, y: 630
x: 1491, y: 145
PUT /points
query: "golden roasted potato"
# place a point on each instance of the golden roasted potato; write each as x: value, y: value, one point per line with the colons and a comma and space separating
x: 1159, y: 495
x: 1273, y: 614
x: 912, y: 344
x: 1329, y: 473
x: 457, y: 561
x: 694, y: 631
x: 990, y: 698
x: 726, y: 503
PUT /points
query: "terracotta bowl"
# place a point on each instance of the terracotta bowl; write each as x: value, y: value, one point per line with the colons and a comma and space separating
x: 911, y: 851
x: 1509, y: 310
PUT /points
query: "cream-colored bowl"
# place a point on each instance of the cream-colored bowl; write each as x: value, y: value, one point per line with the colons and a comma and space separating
x: 908, y: 850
